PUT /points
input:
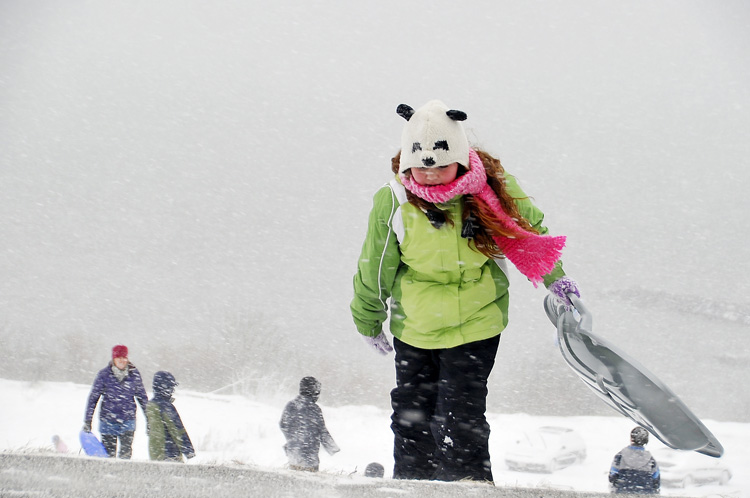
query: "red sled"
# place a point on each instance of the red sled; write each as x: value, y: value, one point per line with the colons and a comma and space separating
x: 91, y: 444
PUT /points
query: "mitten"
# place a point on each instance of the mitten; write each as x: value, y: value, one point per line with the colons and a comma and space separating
x: 379, y: 343
x: 561, y: 287
x: 86, y: 427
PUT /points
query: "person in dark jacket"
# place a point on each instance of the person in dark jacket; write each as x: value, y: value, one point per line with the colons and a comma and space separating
x: 119, y: 384
x: 304, y: 428
x: 633, y: 469
x: 167, y: 437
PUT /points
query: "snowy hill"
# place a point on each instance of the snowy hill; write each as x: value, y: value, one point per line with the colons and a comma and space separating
x: 59, y: 477
x: 236, y: 433
x: 193, y: 180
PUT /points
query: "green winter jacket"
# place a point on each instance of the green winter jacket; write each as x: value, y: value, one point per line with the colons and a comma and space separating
x: 443, y: 293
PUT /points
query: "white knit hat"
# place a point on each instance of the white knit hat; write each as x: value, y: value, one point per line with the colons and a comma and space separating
x: 433, y: 136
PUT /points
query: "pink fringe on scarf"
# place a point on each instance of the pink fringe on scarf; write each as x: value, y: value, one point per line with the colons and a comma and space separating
x: 534, y: 255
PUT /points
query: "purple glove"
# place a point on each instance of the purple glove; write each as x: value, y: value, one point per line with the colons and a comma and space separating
x: 561, y: 287
x: 379, y: 343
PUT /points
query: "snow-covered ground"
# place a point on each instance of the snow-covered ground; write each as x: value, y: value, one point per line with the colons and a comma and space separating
x: 228, y: 429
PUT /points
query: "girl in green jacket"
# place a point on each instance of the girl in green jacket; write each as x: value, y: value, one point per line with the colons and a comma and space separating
x: 438, y: 239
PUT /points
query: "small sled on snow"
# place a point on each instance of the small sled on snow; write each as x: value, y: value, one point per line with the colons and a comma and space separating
x: 624, y: 384
x: 91, y: 444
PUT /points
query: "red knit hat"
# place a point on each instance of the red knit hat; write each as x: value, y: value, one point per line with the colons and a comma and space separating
x: 119, y: 351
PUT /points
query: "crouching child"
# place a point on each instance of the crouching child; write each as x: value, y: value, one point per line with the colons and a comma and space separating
x: 304, y: 428
x: 633, y: 469
x: 167, y: 438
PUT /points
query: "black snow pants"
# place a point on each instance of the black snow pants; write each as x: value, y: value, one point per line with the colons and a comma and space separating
x: 439, y: 425
x: 126, y: 444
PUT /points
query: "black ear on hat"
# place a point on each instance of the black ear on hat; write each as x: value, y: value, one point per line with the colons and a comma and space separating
x: 405, y: 111
x: 456, y: 115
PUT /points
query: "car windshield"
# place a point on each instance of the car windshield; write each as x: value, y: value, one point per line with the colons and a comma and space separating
x: 548, y: 438
x: 552, y: 437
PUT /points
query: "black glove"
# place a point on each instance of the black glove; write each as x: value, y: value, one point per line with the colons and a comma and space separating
x: 86, y: 427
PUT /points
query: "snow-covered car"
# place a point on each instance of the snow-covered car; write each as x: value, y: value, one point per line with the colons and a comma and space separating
x: 545, y: 450
x: 687, y: 468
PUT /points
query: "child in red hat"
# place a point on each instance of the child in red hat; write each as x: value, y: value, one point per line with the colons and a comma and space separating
x: 119, y: 385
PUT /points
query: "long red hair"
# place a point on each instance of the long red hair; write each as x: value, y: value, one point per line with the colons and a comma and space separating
x: 486, y: 224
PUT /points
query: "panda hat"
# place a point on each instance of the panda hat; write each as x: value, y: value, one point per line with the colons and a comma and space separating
x: 433, y: 136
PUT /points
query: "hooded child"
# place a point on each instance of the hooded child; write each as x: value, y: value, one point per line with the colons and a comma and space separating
x: 167, y: 437
x: 304, y: 428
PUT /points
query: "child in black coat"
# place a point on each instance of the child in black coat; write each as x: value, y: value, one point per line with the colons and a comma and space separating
x: 304, y: 428
x: 167, y: 437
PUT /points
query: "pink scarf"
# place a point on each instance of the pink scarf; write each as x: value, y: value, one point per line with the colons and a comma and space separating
x: 534, y: 255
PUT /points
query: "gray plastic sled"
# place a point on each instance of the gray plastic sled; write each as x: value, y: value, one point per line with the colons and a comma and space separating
x: 624, y: 384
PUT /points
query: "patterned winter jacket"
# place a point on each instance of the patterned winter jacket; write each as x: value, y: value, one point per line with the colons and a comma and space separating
x: 635, y: 471
x: 118, y: 403
x: 443, y: 293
